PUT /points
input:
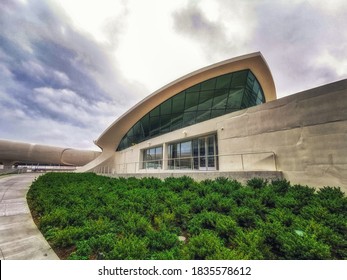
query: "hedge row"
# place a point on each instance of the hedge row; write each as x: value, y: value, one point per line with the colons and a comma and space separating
x: 96, y: 217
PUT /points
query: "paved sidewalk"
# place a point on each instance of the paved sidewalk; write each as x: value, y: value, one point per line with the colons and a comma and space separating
x: 19, y: 237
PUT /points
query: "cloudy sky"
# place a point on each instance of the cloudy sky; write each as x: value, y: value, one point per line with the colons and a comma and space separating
x: 69, y: 68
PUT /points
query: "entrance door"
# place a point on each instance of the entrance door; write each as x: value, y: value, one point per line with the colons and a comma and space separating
x: 207, y: 153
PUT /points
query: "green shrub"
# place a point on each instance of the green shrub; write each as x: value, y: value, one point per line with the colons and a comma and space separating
x: 296, y: 198
x: 223, y: 225
x: 226, y: 186
x: 83, y: 251
x: 135, y: 223
x: 280, y: 187
x: 246, y: 217
x: 176, y: 253
x: 161, y: 240
x: 242, y: 195
x: 204, y: 246
x: 96, y: 217
x: 257, y: 183
x: 291, y: 244
x: 129, y: 248
x: 64, y: 237
x: 250, y: 245
x: 58, y: 218
x: 332, y: 199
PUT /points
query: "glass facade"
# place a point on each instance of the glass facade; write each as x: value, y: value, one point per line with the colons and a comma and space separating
x: 209, y: 99
x: 195, y: 154
x: 153, y: 158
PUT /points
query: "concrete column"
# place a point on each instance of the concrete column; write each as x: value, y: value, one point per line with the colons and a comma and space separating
x: 165, y: 157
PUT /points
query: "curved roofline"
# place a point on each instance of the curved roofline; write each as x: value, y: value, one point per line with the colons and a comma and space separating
x: 112, y: 136
x: 14, y: 151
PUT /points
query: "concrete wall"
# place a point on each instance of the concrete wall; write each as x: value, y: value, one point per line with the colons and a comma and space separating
x: 306, y: 131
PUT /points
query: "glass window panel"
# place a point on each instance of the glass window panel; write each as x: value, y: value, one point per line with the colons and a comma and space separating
x: 255, y: 87
x: 124, y: 142
x: 220, y: 99
x: 195, y: 88
x: 152, y: 152
x: 245, y: 101
x: 211, y: 151
x: 170, y: 151
x: 192, y: 100
x: 260, y: 95
x: 145, y: 125
x: 185, y: 163
x: 250, y: 78
x: 176, y: 121
x: 153, y: 157
x: 131, y: 132
x: 165, y: 108
x: 249, y: 98
x: 171, y: 156
x: 136, y: 139
x: 239, y: 79
x: 235, y: 98
x: 178, y: 150
x: 165, y: 123
x: 154, y: 112
x: 186, y: 149
x: 202, y: 153
x: 138, y: 129
x: 205, y: 100
x: 154, y: 125
x: 208, y: 85
x: 217, y: 113
x: 210, y: 145
x: 186, y: 152
x: 195, y: 148
x: 206, y: 96
x: 159, y: 153
x: 146, y: 155
x: 189, y: 118
x: 203, y: 115
x: 223, y: 81
x: 178, y: 103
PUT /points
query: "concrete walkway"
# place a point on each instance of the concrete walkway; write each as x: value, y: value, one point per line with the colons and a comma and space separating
x: 20, y: 239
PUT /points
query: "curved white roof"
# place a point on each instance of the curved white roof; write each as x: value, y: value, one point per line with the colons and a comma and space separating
x: 111, y: 137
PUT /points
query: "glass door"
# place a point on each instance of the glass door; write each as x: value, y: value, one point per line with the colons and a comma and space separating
x: 207, y: 153
x: 211, y: 152
x: 202, y: 153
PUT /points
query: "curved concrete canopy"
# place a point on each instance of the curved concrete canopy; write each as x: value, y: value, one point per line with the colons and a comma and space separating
x: 12, y: 152
x: 111, y: 137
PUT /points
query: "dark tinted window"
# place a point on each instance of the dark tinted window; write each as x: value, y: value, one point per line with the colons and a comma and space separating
x: 209, y: 99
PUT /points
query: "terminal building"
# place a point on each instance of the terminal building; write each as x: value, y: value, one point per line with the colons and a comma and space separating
x: 225, y: 120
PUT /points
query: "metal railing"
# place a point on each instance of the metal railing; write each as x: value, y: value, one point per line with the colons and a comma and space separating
x: 24, y: 168
x: 249, y: 161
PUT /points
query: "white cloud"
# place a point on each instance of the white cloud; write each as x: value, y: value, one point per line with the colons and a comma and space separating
x: 93, y: 18
x: 150, y: 51
x: 61, y: 77
x: 329, y: 60
x: 69, y: 107
x: 34, y: 69
x: 70, y: 68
